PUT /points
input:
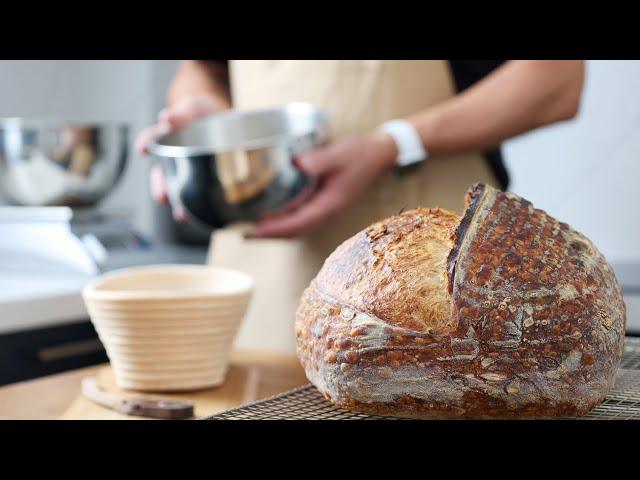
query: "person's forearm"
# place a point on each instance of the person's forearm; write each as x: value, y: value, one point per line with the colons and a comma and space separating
x: 518, y: 97
x: 199, y: 77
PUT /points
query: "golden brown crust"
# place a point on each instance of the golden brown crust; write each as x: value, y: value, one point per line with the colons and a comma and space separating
x: 534, y: 326
x: 397, y: 270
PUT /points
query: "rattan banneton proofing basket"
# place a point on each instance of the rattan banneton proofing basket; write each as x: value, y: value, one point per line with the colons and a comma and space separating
x: 168, y: 327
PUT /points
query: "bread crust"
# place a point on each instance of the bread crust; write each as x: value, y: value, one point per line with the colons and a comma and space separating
x: 505, y: 313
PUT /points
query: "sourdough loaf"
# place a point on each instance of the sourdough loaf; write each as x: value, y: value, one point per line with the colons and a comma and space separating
x: 504, y: 312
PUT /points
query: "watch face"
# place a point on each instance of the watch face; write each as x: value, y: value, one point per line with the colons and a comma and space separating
x: 404, y: 170
x: 417, y: 157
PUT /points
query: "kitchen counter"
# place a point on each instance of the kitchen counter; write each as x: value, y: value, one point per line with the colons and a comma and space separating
x: 252, y: 376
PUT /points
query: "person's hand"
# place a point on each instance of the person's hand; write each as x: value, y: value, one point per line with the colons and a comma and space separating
x: 344, y: 170
x: 171, y: 118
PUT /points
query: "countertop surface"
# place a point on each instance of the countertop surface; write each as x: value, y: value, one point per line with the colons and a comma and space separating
x: 251, y: 376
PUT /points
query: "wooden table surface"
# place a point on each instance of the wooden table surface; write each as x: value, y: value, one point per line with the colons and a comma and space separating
x: 251, y: 376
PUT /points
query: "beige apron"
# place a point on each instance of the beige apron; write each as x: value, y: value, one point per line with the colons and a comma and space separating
x: 358, y: 95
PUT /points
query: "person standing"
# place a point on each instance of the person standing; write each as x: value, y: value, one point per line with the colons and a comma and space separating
x: 404, y: 134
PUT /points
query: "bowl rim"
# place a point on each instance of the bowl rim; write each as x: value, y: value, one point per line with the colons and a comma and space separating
x: 182, y: 151
x: 56, y: 122
x: 92, y: 290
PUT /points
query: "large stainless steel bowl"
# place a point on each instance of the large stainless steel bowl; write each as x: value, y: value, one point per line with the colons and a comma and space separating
x: 237, y: 165
x: 53, y: 162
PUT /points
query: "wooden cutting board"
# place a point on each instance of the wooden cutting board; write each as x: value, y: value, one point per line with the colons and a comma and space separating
x: 252, y: 376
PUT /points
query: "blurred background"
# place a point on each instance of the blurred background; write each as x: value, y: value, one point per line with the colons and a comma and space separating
x: 584, y: 172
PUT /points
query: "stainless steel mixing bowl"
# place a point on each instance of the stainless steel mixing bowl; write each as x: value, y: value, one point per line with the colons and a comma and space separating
x: 53, y: 162
x: 237, y: 165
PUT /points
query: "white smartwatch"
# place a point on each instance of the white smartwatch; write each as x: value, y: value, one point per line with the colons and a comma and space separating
x: 407, y: 141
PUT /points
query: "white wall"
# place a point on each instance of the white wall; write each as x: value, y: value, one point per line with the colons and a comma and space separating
x: 587, y: 171
x: 98, y: 91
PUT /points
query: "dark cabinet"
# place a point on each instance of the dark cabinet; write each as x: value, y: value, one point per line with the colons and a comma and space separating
x: 35, y: 353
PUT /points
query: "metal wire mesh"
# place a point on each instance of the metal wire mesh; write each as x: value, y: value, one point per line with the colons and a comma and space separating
x: 307, y: 403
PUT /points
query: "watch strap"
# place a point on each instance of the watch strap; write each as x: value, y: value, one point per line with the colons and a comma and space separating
x: 410, y: 148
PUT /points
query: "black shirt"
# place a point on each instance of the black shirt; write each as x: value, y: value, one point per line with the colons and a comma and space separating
x: 466, y: 73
